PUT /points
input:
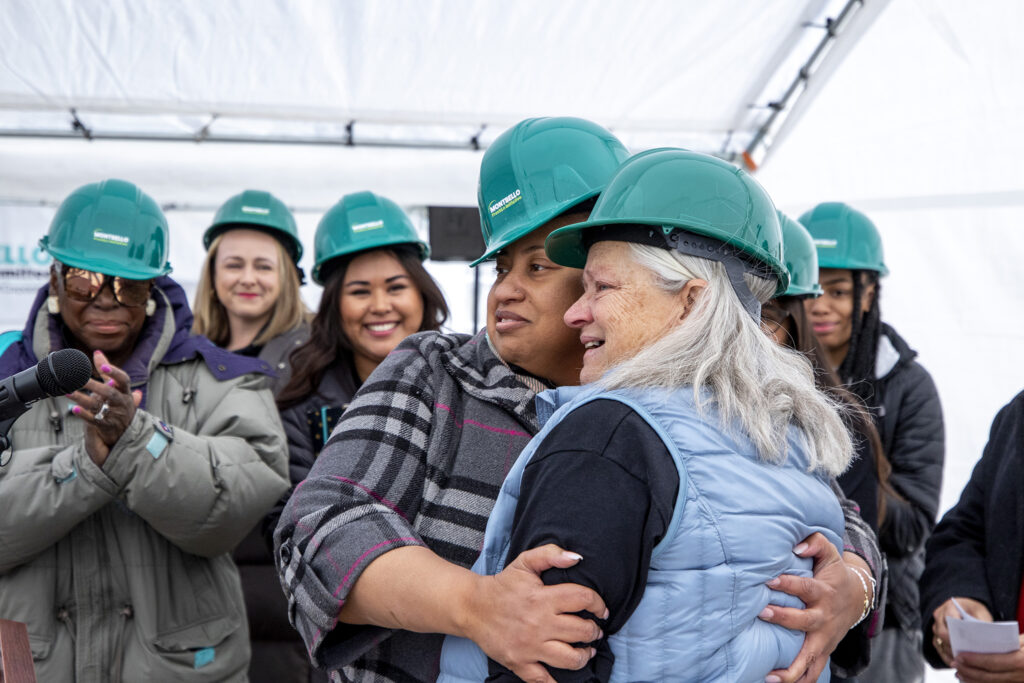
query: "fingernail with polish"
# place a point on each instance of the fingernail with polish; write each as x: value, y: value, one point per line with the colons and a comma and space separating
x: 773, y: 583
x: 766, y: 613
x: 606, y: 613
x: 105, y: 368
x: 772, y: 678
x: 96, y: 352
x: 800, y: 548
x: 572, y: 556
x: 111, y: 382
x: 76, y: 409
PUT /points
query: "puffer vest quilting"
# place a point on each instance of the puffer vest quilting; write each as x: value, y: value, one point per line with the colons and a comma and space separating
x: 735, y: 523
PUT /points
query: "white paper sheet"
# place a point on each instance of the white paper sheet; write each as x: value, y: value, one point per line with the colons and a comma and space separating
x: 968, y: 634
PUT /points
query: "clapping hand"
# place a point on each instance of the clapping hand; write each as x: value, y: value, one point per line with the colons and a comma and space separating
x: 107, y: 405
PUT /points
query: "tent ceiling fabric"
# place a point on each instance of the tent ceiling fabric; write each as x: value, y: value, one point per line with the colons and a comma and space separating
x: 404, y: 72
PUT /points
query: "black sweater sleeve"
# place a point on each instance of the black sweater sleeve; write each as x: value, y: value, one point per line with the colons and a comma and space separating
x: 602, y: 484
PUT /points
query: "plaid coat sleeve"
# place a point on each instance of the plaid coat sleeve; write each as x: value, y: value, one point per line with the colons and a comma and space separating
x: 358, y: 502
x: 853, y: 653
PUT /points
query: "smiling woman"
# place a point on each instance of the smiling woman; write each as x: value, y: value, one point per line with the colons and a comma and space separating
x: 677, y: 431
x: 114, y: 482
x: 369, y: 260
x: 380, y: 306
x: 874, y: 362
x: 248, y: 298
x: 248, y: 302
x: 373, y: 547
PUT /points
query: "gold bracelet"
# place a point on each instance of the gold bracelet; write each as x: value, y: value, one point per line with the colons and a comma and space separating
x: 871, y: 580
x: 867, y: 596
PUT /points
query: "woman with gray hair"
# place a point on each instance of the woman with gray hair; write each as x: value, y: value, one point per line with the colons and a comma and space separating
x: 700, y: 453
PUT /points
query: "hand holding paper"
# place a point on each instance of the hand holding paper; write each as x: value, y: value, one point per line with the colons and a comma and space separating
x: 969, y: 634
x: 940, y: 632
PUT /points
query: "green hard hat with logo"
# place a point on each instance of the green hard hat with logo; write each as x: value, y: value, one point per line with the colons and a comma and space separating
x: 257, y: 210
x: 689, y: 202
x: 539, y: 169
x: 110, y: 227
x: 801, y: 258
x: 845, y: 238
x: 359, y: 222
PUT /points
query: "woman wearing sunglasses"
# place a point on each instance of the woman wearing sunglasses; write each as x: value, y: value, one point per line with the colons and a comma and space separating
x: 123, y: 500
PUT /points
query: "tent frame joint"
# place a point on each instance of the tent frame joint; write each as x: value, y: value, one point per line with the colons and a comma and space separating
x: 78, y: 126
x: 204, y: 132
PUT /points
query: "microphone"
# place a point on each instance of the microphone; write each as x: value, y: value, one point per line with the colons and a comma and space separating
x: 61, y: 372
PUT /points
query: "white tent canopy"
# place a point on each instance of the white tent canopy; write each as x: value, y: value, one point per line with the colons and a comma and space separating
x: 419, y: 76
x: 919, y: 128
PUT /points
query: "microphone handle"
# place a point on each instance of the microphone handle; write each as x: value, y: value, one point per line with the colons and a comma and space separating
x: 18, y: 392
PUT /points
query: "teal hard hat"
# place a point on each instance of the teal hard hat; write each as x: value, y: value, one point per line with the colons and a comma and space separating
x: 358, y: 222
x: 539, y: 169
x: 845, y: 238
x: 801, y: 258
x: 690, y: 202
x: 257, y: 210
x: 110, y: 227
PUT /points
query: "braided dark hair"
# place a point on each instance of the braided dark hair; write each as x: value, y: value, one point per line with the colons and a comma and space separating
x: 858, y: 367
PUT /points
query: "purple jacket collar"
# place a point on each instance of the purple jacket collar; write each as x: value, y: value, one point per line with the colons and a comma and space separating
x: 184, y: 345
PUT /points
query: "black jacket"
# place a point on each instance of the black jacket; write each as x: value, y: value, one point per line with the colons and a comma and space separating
x: 278, y: 654
x: 908, y: 415
x: 308, y: 425
x: 860, y: 480
x: 976, y: 549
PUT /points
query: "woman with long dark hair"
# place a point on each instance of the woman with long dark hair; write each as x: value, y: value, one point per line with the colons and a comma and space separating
x: 876, y: 364
x: 787, y: 320
x: 376, y: 293
x: 866, y: 481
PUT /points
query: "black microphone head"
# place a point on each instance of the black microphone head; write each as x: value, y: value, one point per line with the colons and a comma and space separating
x: 64, y: 371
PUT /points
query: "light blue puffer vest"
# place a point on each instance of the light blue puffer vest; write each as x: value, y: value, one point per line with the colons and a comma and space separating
x: 734, y: 527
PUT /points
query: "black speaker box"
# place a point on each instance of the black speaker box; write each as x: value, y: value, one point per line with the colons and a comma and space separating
x: 454, y: 233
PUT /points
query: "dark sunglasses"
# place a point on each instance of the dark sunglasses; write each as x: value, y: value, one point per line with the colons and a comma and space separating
x: 85, y: 285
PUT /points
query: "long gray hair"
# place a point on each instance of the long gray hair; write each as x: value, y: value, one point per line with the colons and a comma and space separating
x: 751, y: 378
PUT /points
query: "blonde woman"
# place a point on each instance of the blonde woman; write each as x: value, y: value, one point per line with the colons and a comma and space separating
x: 248, y: 298
x: 248, y: 302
